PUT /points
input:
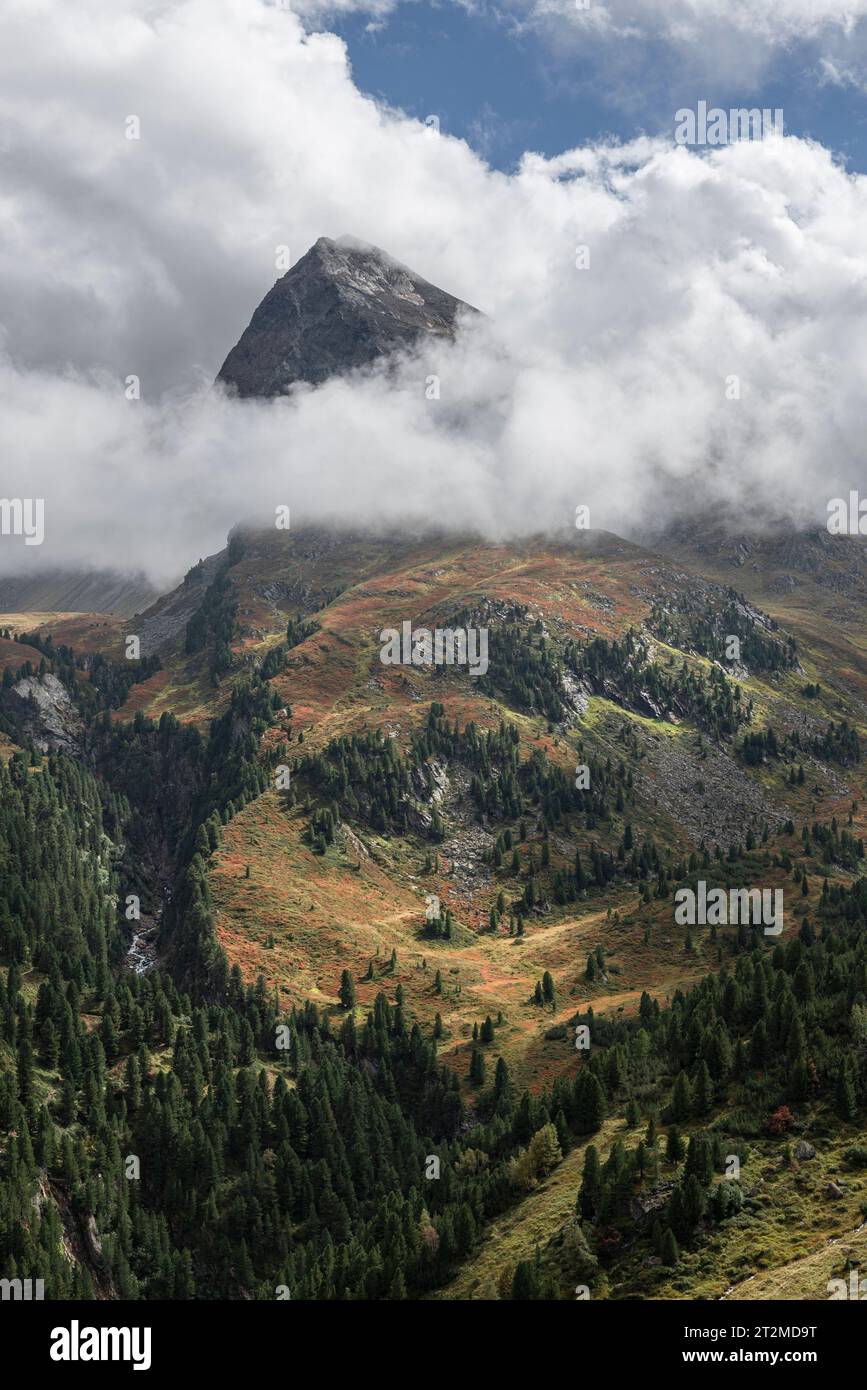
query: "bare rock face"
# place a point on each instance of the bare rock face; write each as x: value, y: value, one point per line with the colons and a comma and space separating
x: 49, y: 717
x: 342, y: 306
x: 160, y: 624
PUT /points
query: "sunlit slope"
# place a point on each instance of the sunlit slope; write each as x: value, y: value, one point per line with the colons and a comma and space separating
x: 301, y: 919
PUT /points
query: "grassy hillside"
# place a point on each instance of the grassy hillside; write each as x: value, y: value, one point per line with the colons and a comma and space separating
x: 550, y: 903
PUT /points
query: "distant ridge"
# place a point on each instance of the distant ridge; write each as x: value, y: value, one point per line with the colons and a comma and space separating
x: 60, y: 591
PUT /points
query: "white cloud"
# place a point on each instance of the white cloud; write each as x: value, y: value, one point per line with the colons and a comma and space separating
x: 604, y: 385
x: 641, y: 55
x: 777, y: 21
x: 638, y: 47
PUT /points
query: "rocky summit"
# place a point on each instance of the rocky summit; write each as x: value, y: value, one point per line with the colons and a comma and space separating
x: 342, y: 306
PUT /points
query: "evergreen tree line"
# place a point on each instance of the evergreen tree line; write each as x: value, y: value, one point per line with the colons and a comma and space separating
x: 679, y: 623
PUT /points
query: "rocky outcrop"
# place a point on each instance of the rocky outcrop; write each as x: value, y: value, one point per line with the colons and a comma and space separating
x: 43, y: 708
x: 342, y: 306
x: 167, y: 619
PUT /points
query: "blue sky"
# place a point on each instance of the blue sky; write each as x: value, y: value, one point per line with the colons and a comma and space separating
x: 506, y: 90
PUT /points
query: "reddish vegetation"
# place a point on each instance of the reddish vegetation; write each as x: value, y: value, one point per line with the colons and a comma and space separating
x: 781, y: 1121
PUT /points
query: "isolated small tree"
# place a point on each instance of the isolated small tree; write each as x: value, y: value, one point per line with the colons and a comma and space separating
x: 704, y: 1093
x: 590, y: 1192
x: 674, y: 1145
x: 347, y: 990
x: 580, y: 1260
x: 590, y: 1102
x: 846, y: 1098
x: 477, y: 1068
x: 670, y: 1252
x: 681, y: 1098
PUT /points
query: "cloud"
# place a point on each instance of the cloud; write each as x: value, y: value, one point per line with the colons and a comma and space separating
x: 608, y: 385
x: 627, y: 51
x: 775, y: 21
x: 644, y: 57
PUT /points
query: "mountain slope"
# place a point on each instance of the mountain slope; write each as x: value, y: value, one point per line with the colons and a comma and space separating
x: 366, y: 896
x: 96, y: 591
x: 554, y: 902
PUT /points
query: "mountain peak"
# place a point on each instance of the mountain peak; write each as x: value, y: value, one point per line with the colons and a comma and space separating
x: 344, y: 304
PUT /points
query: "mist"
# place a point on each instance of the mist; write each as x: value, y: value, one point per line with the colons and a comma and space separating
x: 668, y: 333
